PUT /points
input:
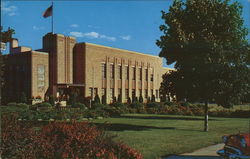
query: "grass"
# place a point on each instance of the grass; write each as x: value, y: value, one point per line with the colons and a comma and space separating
x: 160, y: 135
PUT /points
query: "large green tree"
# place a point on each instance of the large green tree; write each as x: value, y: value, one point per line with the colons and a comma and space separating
x: 5, y: 36
x: 206, y: 41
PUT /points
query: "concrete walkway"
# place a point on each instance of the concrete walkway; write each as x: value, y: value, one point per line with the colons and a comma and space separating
x: 207, y: 151
x: 203, y: 153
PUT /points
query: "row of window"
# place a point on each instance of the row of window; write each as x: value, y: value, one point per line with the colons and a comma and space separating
x: 94, y: 92
x: 119, y: 72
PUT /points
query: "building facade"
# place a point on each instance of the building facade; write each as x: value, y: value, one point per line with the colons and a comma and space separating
x: 63, y: 67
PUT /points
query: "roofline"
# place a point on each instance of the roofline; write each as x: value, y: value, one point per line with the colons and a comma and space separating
x: 108, y: 47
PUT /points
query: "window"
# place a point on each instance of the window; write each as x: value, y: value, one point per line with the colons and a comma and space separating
x: 157, y: 93
x: 146, y: 93
x: 152, y: 77
x: 119, y: 72
x: 126, y: 93
x: 119, y: 93
x: 133, y: 93
x: 104, y: 73
x: 112, y: 71
x: 140, y: 92
x: 152, y: 92
x: 146, y: 73
x: 134, y: 73
x: 140, y: 73
x: 95, y: 91
x: 126, y: 72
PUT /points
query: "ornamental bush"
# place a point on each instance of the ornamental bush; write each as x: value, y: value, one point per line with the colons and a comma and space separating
x: 60, y: 140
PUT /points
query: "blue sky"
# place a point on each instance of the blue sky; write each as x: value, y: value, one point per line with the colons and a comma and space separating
x: 131, y: 25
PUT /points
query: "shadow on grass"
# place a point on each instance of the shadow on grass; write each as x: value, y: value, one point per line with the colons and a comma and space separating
x: 192, y: 157
x: 127, y: 127
x: 165, y: 117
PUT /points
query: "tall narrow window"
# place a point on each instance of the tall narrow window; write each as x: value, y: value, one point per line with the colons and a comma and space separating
x: 126, y: 72
x: 152, y: 77
x: 112, y: 71
x: 146, y: 74
x: 134, y: 73
x: 140, y: 73
x: 126, y: 93
x: 152, y: 92
x: 133, y: 93
x: 119, y: 72
x: 104, y: 73
x: 146, y: 93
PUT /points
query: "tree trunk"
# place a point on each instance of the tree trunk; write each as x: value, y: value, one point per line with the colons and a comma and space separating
x: 206, y: 117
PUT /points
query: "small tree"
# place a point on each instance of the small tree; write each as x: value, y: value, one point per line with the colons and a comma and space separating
x: 97, y: 99
x: 114, y: 100
x: 104, y: 101
x: 140, y: 99
x: 129, y: 100
x: 120, y: 98
x: 136, y: 99
x: 153, y: 98
x: 52, y: 100
x: 72, y: 99
x: 23, y: 98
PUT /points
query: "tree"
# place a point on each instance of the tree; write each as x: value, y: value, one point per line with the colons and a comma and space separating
x: 97, y: 99
x: 52, y: 100
x: 120, y: 98
x: 140, y: 99
x: 104, y: 101
x: 23, y: 98
x: 5, y: 36
x: 206, y: 40
x: 153, y: 98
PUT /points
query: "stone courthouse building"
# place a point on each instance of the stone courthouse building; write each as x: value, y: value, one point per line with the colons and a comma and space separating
x: 64, y: 66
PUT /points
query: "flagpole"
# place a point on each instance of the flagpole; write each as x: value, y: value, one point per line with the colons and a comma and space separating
x: 52, y: 18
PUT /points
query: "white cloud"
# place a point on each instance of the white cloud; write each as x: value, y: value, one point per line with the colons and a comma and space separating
x: 127, y: 37
x: 92, y: 35
x: 74, y: 25
x: 10, y: 10
x: 37, y: 28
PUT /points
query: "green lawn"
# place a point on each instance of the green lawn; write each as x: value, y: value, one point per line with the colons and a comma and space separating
x: 159, y: 135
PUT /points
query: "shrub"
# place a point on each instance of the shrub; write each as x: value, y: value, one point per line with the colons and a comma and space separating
x: 80, y: 105
x: 97, y: 106
x: 97, y: 99
x: 44, y: 104
x: 153, y: 105
x: 23, y: 98
x: 129, y: 100
x: 153, y: 98
x: 169, y: 103
x: 120, y: 98
x: 104, y: 101
x: 140, y: 99
x: 52, y: 100
x: 60, y: 140
x: 118, y: 104
x: 185, y: 104
x: 136, y: 105
x: 114, y: 100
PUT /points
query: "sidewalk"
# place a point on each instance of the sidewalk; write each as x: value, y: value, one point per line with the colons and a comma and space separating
x: 207, y: 151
